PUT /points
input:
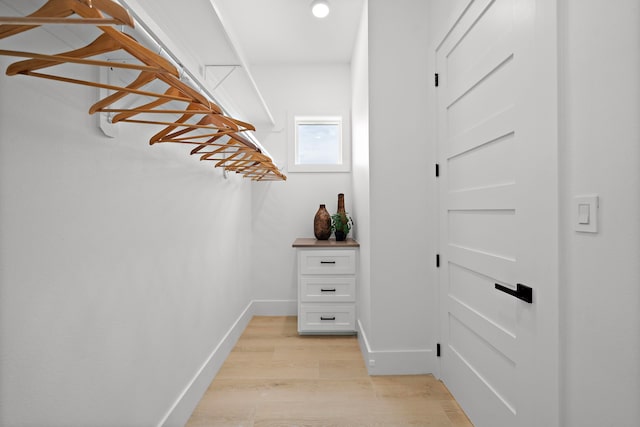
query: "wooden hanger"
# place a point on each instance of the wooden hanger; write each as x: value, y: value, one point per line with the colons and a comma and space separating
x: 230, y: 150
x: 142, y: 79
x: 111, y: 41
x: 192, y: 138
x: 244, y: 141
x: 261, y: 170
x: 171, y: 77
x: 57, y: 11
x: 125, y: 113
x: 209, y: 143
x: 217, y: 122
x: 103, y: 44
x: 243, y: 152
x: 253, y: 162
x: 195, y: 95
x: 223, y: 150
x: 220, y: 123
x: 112, y: 9
x: 177, y: 88
x: 106, y: 86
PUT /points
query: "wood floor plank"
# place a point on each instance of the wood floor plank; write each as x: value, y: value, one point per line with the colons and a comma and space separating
x: 276, y: 369
x: 274, y: 377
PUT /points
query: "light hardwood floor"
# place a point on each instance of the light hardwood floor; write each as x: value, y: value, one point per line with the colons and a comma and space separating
x: 274, y: 377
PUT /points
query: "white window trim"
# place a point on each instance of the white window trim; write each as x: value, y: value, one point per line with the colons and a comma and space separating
x: 345, y: 143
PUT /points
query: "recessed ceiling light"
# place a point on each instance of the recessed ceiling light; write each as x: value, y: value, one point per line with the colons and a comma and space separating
x: 320, y: 8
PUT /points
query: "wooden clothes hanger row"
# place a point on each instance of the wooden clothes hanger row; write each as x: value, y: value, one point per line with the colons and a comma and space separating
x: 222, y: 125
x: 240, y: 154
x: 237, y: 157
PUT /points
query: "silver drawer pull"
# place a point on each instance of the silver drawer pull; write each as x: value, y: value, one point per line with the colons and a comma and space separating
x: 327, y: 262
x: 327, y: 318
x: 328, y: 290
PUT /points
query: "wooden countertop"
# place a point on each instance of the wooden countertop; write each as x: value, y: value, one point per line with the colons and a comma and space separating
x: 312, y: 242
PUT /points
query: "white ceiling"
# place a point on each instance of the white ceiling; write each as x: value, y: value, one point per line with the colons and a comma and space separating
x: 285, y: 31
x: 265, y: 31
x: 209, y: 35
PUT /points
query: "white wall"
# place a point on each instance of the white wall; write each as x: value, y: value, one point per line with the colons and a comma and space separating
x: 402, y: 330
x: 361, y: 187
x: 600, y: 154
x: 283, y: 211
x: 122, y: 266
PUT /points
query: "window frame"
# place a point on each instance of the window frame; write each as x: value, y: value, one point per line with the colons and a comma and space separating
x: 344, y: 144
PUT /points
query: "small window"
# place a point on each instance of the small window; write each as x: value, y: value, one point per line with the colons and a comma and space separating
x: 318, y: 145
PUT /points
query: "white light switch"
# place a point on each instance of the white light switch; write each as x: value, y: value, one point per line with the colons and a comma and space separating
x: 586, y: 214
x: 583, y: 213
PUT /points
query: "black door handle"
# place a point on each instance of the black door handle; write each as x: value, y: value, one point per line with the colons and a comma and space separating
x: 522, y: 292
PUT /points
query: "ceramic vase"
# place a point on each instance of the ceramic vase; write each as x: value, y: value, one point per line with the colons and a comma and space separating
x: 341, y: 235
x: 322, y: 224
x: 341, y: 204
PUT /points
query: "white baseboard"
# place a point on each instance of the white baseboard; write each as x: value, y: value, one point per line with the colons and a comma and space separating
x: 275, y: 307
x: 395, y: 362
x: 181, y: 410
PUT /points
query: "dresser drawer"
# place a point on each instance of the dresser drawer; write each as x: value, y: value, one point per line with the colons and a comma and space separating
x: 327, y: 262
x: 327, y: 289
x: 325, y: 317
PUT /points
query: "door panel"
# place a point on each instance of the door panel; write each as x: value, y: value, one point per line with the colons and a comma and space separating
x: 478, y: 103
x: 477, y: 351
x: 476, y: 291
x: 485, y: 166
x: 483, y: 230
x: 493, y: 229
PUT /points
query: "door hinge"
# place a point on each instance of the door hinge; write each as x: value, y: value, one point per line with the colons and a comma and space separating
x: 438, y: 350
x: 437, y: 170
x: 437, y: 80
x: 438, y: 260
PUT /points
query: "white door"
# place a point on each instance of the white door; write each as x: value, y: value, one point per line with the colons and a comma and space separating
x: 497, y: 144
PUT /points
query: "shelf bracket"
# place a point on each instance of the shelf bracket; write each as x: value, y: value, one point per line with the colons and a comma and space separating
x: 223, y: 78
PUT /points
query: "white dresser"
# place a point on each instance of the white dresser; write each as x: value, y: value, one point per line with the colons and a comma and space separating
x: 326, y: 286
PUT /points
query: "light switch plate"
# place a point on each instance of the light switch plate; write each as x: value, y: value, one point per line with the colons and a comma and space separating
x: 585, y: 213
